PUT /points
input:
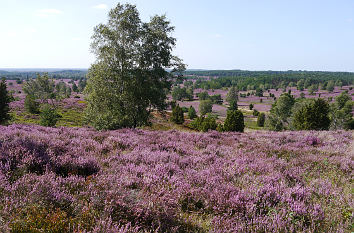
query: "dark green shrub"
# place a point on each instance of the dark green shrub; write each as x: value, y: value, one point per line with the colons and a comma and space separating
x: 312, y: 116
x: 177, y: 115
x: 234, y: 121
x: 261, y: 119
x: 233, y: 105
x: 192, y: 113
x: 204, y: 123
x: 48, y: 116
x: 255, y: 112
x: 31, y: 105
x: 251, y: 106
x: 205, y: 107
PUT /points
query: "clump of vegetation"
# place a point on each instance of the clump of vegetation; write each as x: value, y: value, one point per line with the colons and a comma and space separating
x: 49, y: 116
x: 122, y: 88
x: 204, y: 124
x: 4, y: 102
x: 177, y: 115
x: 205, y: 106
x: 31, y: 105
x: 234, y: 121
x: 261, y: 119
x: 192, y: 113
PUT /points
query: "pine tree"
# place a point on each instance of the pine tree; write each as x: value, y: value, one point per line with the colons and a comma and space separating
x: 234, y: 121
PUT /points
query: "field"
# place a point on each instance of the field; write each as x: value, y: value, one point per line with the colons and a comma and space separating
x: 77, y: 179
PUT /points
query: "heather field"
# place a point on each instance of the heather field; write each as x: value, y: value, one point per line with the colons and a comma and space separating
x: 80, y: 180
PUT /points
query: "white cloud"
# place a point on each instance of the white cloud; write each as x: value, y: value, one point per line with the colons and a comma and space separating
x: 100, y: 6
x: 48, y: 12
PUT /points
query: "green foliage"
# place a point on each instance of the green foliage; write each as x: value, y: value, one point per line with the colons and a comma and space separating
x: 280, y: 112
x: 255, y: 112
x: 41, y: 88
x: 251, y: 106
x: 232, y: 95
x: 312, y: 115
x: 75, y: 88
x: 234, y: 121
x: 205, y: 107
x: 216, y: 99
x: 330, y: 86
x: 300, y: 85
x: 233, y: 105
x: 204, y: 124
x: 129, y: 78
x: 31, y: 105
x: 177, y: 115
x: 341, y: 112
x: 192, y: 113
x: 259, y: 92
x: 203, y: 95
x: 261, y: 120
x: 4, y: 102
x: 179, y: 93
x: 48, y: 116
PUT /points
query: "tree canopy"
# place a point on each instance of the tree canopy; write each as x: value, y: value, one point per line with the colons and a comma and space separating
x: 129, y: 78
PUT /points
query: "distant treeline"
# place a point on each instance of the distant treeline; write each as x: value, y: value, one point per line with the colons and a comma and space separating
x: 267, y: 79
x: 69, y: 74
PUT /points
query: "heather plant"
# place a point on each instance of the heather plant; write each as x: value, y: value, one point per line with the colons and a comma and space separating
x: 174, y: 181
x: 4, y: 102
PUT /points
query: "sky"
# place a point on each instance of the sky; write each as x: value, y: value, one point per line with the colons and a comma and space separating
x: 211, y: 34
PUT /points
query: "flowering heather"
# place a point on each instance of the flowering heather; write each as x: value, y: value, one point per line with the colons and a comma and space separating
x: 81, y: 180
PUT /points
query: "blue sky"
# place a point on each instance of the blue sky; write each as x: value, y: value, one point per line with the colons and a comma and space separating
x: 211, y: 34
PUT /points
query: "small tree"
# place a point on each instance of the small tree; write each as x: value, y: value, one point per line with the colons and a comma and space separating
x: 234, y: 121
x: 261, y: 119
x: 75, y: 88
x: 312, y: 115
x: 41, y: 88
x: 31, y: 105
x: 192, y: 113
x: 48, y: 116
x: 259, y: 92
x: 232, y: 95
x: 4, y: 102
x: 251, y: 106
x: 177, y: 115
x: 330, y: 86
x: 300, y: 85
x: 205, y: 107
x: 233, y: 105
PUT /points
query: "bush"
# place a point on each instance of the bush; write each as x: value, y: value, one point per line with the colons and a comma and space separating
x: 204, y: 123
x: 205, y: 107
x: 234, y: 121
x: 261, y: 119
x: 312, y: 115
x: 255, y: 112
x: 31, y: 105
x: 233, y: 105
x: 192, y: 113
x: 48, y: 116
x: 251, y: 106
x: 177, y: 115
